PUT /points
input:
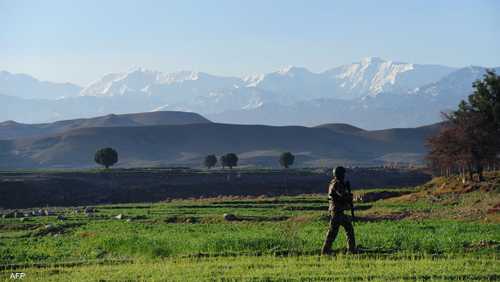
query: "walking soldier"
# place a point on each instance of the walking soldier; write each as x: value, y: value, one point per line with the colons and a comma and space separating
x: 340, y: 199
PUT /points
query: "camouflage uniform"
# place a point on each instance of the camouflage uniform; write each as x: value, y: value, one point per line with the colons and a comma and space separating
x: 340, y: 200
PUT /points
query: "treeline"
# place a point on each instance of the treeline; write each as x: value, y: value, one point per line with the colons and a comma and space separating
x: 107, y: 157
x: 231, y: 160
x: 469, y: 141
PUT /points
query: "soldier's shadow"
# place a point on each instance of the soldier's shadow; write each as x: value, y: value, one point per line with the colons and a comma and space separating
x: 386, y: 217
x: 361, y: 250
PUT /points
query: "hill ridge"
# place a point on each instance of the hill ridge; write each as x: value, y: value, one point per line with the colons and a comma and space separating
x: 189, y: 143
x: 15, y: 130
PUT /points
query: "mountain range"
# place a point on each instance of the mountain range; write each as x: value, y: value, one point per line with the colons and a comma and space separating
x: 178, y: 138
x: 373, y: 93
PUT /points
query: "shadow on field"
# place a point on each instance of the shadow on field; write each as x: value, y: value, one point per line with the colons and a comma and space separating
x: 233, y: 218
x: 361, y: 252
x: 115, y: 207
x: 259, y: 218
x: 234, y: 206
x: 386, y: 253
x: 275, y: 201
x: 322, y: 208
x: 383, y: 217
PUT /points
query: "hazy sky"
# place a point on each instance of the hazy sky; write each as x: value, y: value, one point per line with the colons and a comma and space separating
x: 78, y: 41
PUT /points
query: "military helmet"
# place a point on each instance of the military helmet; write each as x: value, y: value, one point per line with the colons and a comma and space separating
x: 339, y: 171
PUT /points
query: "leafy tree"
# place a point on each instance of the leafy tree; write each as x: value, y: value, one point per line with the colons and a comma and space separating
x: 287, y: 159
x: 106, y: 157
x: 471, y: 137
x: 479, y: 121
x: 210, y: 161
x: 231, y: 160
x: 223, y: 161
x: 486, y: 98
x: 447, y: 154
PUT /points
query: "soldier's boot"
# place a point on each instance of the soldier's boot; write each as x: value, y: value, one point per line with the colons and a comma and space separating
x: 351, y: 241
x: 333, y: 230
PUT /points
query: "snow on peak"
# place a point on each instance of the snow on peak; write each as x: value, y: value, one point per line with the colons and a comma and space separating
x: 277, y: 81
x: 286, y: 69
x: 138, y: 69
x: 371, y: 75
x: 253, y: 80
x: 135, y: 79
x: 292, y: 70
x: 179, y: 76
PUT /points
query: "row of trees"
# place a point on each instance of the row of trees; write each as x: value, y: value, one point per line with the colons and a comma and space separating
x: 231, y: 160
x: 469, y: 141
x: 108, y: 157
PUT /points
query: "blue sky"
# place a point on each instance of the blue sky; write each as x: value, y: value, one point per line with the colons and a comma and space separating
x: 78, y: 41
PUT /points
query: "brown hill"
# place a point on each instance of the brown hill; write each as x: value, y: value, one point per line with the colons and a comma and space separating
x: 400, y: 139
x: 188, y: 144
x: 14, y: 130
x: 341, y: 127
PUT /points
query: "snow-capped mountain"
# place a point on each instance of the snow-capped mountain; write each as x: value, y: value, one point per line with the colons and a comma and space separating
x: 25, y: 86
x: 421, y: 106
x: 453, y: 84
x: 371, y: 93
x: 374, y: 75
x: 188, y: 91
x: 296, y: 83
x: 370, y: 76
x: 154, y: 82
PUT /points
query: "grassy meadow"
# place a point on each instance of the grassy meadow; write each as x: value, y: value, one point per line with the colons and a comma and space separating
x: 427, y: 235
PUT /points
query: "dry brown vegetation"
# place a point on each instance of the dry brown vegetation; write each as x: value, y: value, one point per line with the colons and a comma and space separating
x: 453, y: 199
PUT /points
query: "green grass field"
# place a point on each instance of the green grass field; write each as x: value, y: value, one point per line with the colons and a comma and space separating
x: 272, y: 239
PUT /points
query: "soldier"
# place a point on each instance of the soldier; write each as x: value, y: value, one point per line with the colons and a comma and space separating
x: 340, y: 198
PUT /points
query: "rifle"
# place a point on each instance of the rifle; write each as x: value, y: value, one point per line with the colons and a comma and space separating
x: 348, y: 187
